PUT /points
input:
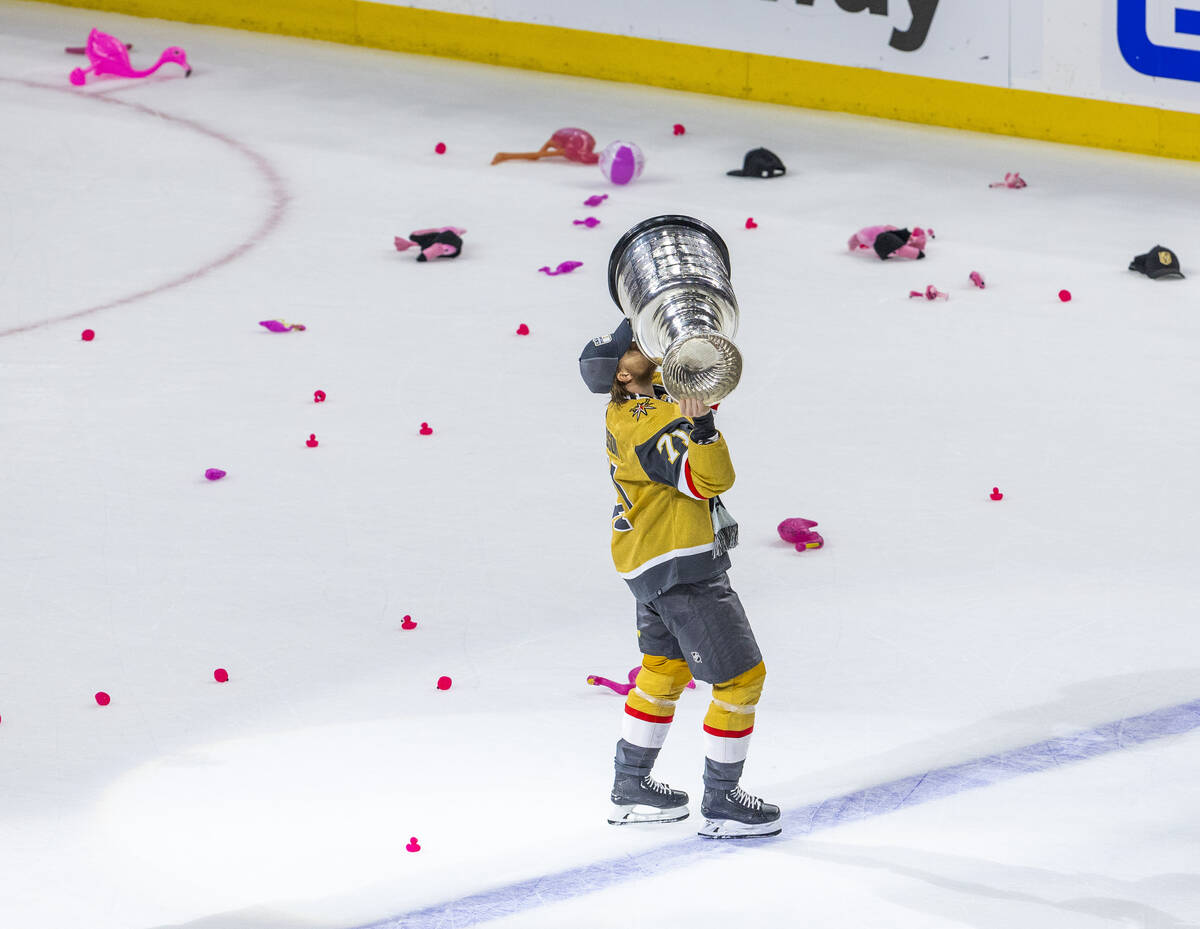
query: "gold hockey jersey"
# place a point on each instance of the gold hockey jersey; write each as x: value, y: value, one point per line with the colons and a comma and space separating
x: 662, y: 530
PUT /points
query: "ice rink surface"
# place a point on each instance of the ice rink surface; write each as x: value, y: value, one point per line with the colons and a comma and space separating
x: 977, y: 714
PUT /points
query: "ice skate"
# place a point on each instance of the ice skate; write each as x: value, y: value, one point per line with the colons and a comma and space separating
x: 645, y: 800
x: 735, y: 814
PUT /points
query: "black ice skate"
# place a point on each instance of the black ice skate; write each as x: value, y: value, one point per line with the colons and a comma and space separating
x: 734, y: 814
x: 644, y: 800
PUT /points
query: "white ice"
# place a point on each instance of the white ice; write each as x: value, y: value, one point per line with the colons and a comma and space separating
x: 936, y: 626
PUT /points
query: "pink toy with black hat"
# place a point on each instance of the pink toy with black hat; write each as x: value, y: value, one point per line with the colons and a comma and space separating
x: 891, y: 242
x: 444, y: 242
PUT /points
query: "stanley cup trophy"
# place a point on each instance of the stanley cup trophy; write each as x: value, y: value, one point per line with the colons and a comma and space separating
x: 669, y: 275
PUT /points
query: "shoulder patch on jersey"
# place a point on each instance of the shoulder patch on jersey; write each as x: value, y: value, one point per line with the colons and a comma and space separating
x: 642, y: 408
x: 610, y: 442
x: 601, y: 340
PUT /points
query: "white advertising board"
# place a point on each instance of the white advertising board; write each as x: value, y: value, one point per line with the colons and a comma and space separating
x: 943, y: 39
x: 1152, y: 53
x: 1131, y: 51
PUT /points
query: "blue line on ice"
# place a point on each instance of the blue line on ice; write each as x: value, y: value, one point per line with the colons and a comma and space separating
x: 871, y: 801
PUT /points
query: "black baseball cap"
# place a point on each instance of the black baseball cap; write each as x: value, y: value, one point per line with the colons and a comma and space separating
x: 600, y: 357
x: 1160, y: 261
x: 760, y: 162
x: 890, y: 240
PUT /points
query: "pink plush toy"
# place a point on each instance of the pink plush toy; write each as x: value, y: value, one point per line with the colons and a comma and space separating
x: 890, y: 241
x: 929, y: 293
x: 564, y: 267
x: 798, y: 531
x: 623, y: 689
x: 278, y: 325
x: 573, y: 144
x: 110, y: 56
x: 1012, y: 180
x: 445, y: 242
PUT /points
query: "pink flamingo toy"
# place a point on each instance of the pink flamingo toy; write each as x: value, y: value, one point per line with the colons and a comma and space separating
x: 929, y: 293
x: 570, y: 143
x: 109, y: 56
x: 564, y: 267
x: 279, y: 325
x: 1012, y: 180
x: 623, y: 689
x: 799, y: 532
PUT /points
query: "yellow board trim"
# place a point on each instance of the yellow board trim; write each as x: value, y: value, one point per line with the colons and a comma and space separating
x: 747, y: 76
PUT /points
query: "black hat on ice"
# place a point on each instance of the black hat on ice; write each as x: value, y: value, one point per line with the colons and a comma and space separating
x: 1160, y: 261
x: 760, y: 162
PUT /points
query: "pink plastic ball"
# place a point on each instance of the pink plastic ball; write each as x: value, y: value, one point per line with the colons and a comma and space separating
x: 1064, y: 296
x: 622, y: 162
x: 220, y: 675
x: 444, y: 683
x: 103, y: 699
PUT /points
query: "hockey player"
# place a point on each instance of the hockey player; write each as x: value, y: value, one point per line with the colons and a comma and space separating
x: 670, y: 533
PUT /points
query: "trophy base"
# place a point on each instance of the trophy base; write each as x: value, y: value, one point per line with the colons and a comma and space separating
x: 704, y: 366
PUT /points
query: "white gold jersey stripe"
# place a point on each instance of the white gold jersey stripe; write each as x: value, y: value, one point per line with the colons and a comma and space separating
x: 665, y: 557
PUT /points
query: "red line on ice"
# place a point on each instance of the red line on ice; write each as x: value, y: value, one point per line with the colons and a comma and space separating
x: 279, y: 201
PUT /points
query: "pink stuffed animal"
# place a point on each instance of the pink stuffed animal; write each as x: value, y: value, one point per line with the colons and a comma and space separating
x: 798, y: 531
x: 445, y: 242
x: 623, y: 689
x: 890, y: 241
x: 1012, y: 180
x: 929, y: 293
x: 573, y: 144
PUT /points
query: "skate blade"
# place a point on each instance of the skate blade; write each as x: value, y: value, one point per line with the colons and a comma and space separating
x: 626, y: 814
x: 731, y: 829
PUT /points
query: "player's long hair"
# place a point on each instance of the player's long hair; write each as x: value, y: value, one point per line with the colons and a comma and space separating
x: 617, y: 393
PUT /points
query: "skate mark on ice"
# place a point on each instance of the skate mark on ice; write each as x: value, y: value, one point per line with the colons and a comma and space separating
x: 879, y: 800
x: 279, y: 198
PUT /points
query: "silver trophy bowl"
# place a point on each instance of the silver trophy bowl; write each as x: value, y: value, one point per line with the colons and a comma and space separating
x: 669, y: 275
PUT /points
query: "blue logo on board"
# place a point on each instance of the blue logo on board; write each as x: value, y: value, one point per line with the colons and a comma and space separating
x: 1158, y: 58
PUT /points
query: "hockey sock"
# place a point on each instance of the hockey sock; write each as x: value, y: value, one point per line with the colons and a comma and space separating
x: 728, y: 725
x: 649, y: 710
x: 634, y: 759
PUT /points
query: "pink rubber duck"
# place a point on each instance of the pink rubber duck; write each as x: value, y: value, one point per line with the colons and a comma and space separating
x: 109, y: 56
